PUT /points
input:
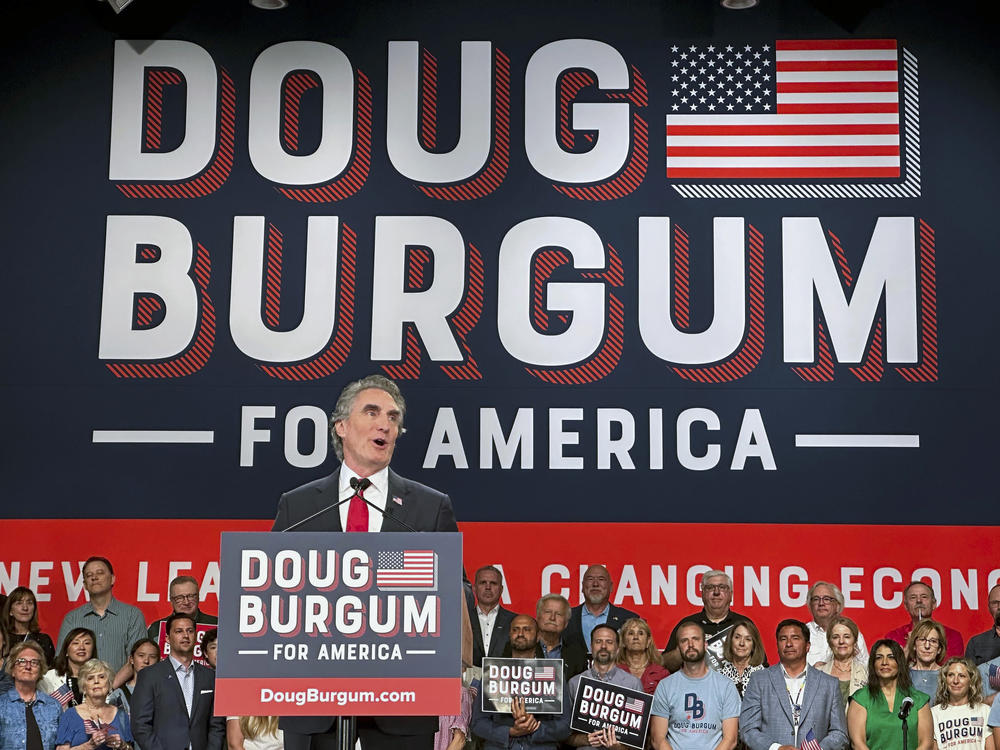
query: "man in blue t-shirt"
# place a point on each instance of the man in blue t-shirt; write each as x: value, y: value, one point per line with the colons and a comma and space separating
x: 696, y: 708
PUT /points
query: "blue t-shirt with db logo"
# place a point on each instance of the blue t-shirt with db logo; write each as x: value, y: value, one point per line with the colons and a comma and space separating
x: 695, y: 709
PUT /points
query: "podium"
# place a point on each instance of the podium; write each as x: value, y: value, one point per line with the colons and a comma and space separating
x: 340, y: 625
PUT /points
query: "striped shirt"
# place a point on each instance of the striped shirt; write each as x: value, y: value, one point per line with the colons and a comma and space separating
x: 117, y: 631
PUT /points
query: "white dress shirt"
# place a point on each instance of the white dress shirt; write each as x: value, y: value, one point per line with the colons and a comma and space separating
x: 377, y: 494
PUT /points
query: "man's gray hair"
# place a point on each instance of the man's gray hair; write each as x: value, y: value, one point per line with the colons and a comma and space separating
x: 837, y: 593
x: 345, y: 403
x: 717, y: 574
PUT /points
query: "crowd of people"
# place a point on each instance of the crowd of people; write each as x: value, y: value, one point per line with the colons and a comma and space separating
x: 109, y: 680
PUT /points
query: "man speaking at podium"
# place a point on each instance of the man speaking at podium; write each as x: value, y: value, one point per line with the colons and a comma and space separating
x: 364, y: 426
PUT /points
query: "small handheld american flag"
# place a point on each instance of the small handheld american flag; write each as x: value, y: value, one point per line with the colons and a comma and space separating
x: 63, y: 694
x: 809, y: 743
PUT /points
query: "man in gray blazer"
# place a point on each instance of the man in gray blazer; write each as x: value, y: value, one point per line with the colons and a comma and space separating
x: 174, y: 699
x: 783, y: 704
x: 365, y: 423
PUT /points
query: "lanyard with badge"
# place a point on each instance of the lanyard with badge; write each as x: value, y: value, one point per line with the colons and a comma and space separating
x: 796, y: 710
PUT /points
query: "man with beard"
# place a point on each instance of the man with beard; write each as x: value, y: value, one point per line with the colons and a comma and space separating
x: 604, y: 648
x: 986, y: 646
x: 502, y: 731
x: 696, y: 708
x: 791, y: 701
x: 919, y: 601
x: 597, y: 608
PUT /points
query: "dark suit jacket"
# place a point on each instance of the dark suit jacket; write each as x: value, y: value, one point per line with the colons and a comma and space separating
x: 498, y: 639
x: 159, y: 715
x: 574, y: 630
x: 766, y: 716
x: 419, y: 506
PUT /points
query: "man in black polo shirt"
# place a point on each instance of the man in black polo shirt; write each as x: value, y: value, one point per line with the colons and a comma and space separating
x: 716, y: 618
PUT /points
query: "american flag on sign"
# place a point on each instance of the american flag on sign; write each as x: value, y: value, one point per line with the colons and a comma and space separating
x: 406, y: 569
x: 994, y: 676
x: 63, y: 694
x: 545, y: 673
x: 809, y: 743
x: 806, y: 109
x: 634, y: 705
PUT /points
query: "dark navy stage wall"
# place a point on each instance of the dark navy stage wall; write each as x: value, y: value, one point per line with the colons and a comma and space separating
x: 561, y: 276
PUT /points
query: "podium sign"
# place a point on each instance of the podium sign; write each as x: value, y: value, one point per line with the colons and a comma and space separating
x: 328, y: 624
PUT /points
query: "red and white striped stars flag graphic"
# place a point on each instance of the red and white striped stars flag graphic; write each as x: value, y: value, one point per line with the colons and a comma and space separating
x: 406, y: 569
x: 63, y: 694
x: 807, y: 109
x: 994, y: 676
x: 545, y: 673
x: 634, y: 705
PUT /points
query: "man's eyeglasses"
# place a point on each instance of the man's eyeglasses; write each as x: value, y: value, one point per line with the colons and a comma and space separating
x: 823, y: 600
x: 184, y: 598
x: 720, y: 588
x: 28, y: 663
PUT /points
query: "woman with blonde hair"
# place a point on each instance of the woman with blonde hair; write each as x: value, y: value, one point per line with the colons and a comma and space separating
x: 848, y: 663
x: 925, y: 650
x: 959, y: 714
x: 254, y: 733
x: 638, y: 654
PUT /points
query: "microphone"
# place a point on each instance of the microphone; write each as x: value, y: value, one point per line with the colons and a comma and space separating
x: 359, y: 486
x: 904, y: 709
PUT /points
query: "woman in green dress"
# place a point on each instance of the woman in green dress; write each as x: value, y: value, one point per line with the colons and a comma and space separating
x: 872, y: 717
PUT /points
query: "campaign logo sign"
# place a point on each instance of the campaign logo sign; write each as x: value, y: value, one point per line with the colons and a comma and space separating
x: 538, y: 682
x: 601, y: 704
x: 324, y: 623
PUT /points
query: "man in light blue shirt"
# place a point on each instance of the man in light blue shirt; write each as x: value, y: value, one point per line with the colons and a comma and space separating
x: 696, y: 708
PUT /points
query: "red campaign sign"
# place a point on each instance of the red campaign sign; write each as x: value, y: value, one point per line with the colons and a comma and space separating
x: 656, y: 567
x: 200, y: 630
x: 303, y: 696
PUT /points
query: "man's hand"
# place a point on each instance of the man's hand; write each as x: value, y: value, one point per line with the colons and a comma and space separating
x: 524, y: 723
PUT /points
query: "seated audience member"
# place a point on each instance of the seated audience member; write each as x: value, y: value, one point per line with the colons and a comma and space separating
x: 959, y: 713
x: 716, y: 618
x: 116, y: 625
x: 20, y: 618
x: 184, y: 597
x: 919, y: 602
x: 6, y: 681
x: 254, y: 733
x: 520, y: 729
x: 490, y: 622
x: 29, y: 717
x: 94, y: 724
x: 986, y: 645
x: 924, y: 655
x: 638, y: 654
x: 603, y: 647
x: 989, y: 673
x: 674, y: 724
x: 62, y: 681
x: 596, y: 609
x: 742, y: 655
x: 826, y: 602
x: 210, y: 647
x: 847, y: 662
x: 453, y: 731
x: 792, y: 702
x: 144, y: 653
x: 872, y: 716
x: 552, y: 614
x: 173, y: 705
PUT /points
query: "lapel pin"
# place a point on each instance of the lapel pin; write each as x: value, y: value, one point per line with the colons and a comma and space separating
x: 398, y: 500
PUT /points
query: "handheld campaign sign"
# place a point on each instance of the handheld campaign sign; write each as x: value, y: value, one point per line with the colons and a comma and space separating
x: 324, y: 623
x: 601, y: 704
x: 538, y: 682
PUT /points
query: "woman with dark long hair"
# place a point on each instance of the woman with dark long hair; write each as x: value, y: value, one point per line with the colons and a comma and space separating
x: 61, y: 682
x: 19, y: 618
x: 872, y: 720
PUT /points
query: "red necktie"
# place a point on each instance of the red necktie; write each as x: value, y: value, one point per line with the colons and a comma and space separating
x: 357, y: 512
